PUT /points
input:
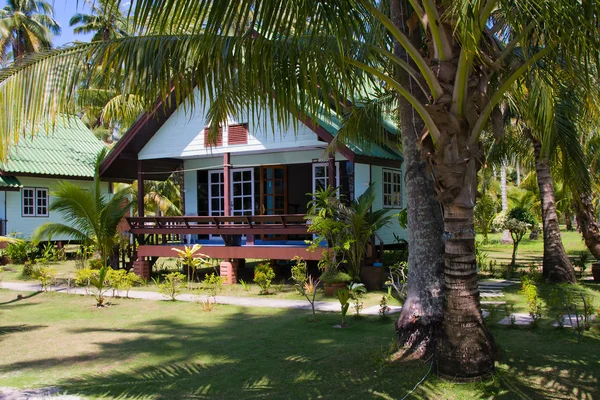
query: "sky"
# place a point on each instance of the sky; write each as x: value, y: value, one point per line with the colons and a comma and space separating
x: 63, y: 11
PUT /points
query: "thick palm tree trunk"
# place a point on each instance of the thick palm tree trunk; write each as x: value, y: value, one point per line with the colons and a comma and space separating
x: 466, y: 348
x: 557, y: 267
x: 422, y: 311
x: 588, y: 224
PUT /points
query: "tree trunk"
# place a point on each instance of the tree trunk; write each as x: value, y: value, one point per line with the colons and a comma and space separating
x: 466, y: 348
x: 557, y: 267
x: 505, y: 233
x: 588, y: 224
x: 422, y: 311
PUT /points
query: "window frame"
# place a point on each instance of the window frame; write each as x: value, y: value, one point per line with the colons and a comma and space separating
x: 393, y: 185
x: 35, y: 198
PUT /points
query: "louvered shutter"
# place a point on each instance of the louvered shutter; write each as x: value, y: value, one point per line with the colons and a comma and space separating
x: 237, y: 134
x: 219, y: 138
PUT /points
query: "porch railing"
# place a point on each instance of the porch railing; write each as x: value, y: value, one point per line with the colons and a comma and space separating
x: 286, y: 224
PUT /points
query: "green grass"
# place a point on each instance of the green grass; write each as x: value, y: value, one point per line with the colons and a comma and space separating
x: 170, y: 350
x: 530, y: 251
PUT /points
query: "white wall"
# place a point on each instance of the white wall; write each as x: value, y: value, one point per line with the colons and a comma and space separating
x: 26, y: 225
x: 190, y: 185
x: 182, y: 136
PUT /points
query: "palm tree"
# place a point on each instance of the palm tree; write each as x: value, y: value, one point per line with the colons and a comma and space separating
x: 160, y: 197
x: 295, y: 53
x: 90, y: 216
x: 26, y: 26
x: 106, y: 20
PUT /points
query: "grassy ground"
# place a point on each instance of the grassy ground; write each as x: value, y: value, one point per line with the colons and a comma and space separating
x: 163, y: 350
x: 530, y: 251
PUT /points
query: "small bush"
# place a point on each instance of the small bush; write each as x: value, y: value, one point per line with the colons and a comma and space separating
x: 95, y: 263
x: 46, y: 276
x: 534, y: 305
x: 263, y: 275
x: 83, y: 277
x: 121, y: 280
x: 172, y: 284
x: 21, y: 251
x: 331, y: 275
x: 213, y: 284
x: 28, y: 269
x: 357, y: 291
x: 299, y: 274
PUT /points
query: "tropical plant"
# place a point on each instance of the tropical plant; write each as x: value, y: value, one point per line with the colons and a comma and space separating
x: 106, y: 20
x: 518, y: 221
x: 309, y: 290
x: 357, y: 292
x: 191, y: 258
x: 263, y: 275
x: 171, y: 285
x: 485, y: 210
x: 213, y: 284
x: 26, y: 27
x: 100, y: 283
x: 121, y: 280
x: 343, y: 296
x: 46, y: 276
x: 90, y: 216
x: 360, y: 223
x: 83, y: 277
x: 19, y: 251
x: 334, y: 276
x: 299, y: 274
x: 472, y: 53
x: 160, y: 197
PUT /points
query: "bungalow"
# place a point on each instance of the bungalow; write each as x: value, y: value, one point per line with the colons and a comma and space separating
x: 34, y: 167
x: 254, y: 184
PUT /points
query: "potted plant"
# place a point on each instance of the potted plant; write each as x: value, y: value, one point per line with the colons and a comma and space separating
x: 334, y: 280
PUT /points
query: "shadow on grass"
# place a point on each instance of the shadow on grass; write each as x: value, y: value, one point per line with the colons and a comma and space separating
x: 17, y: 298
x: 5, y: 330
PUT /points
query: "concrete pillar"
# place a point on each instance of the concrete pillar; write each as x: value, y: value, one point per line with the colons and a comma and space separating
x: 228, y: 271
x: 142, y: 268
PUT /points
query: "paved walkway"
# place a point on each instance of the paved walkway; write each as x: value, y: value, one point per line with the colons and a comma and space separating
x: 331, y: 306
x: 489, y: 289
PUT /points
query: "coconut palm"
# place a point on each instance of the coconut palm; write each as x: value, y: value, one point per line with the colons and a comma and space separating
x: 26, y: 26
x: 90, y: 216
x: 106, y: 20
x: 297, y: 52
x: 160, y: 197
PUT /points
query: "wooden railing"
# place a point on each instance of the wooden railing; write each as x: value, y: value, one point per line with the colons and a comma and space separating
x: 290, y: 224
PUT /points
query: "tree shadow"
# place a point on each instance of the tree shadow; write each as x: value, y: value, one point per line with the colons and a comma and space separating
x: 17, y: 298
x: 8, y: 329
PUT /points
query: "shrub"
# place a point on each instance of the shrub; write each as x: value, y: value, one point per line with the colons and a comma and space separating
x: 121, y: 280
x: 331, y: 275
x: 263, y: 275
x: 21, y: 251
x: 534, y: 305
x: 299, y: 274
x: 83, y: 277
x: 357, y: 291
x: 343, y: 296
x: 46, y: 276
x: 100, y: 282
x: 28, y: 269
x: 213, y: 284
x: 95, y: 263
x: 384, y: 309
x: 172, y: 284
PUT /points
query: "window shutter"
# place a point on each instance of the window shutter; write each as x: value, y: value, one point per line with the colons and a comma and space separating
x: 237, y: 134
x: 207, y: 143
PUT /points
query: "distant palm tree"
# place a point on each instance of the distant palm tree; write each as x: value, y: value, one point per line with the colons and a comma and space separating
x: 106, y: 20
x: 89, y: 215
x: 26, y: 26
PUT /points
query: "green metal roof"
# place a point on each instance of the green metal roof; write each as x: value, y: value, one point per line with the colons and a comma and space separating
x: 9, y: 182
x: 333, y: 124
x: 68, y: 149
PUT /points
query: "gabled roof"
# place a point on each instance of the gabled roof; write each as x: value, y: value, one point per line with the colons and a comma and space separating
x: 67, y: 150
x: 121, y: 162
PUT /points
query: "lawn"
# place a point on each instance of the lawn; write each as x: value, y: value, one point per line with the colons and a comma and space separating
x: 169, y: 350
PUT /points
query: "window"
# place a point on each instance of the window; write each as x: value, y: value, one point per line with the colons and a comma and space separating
x: 34, y: 202
x: 392, y: 189
x: 237, y: 134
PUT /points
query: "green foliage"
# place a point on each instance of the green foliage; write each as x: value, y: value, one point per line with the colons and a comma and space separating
x: 84, y: 276
x: 21, y: 251
x: 581, y: 262
x: 213, y: 284
x: 566, y: 299
x: 481, y: 257
x: 523, y: 215
x: 518, y: 221
x: 95, y: 263
x: 299, y: 274
x: 46, y: 276
x: 191, y: 258
x: 484, y: 212
x: 343, y: 296
x: 534, y: 304
x: 384, y: 309
x: 51, y: 252
x: 171, y: 285
x: 100, y: 283
x: 263, y: 275
x: 121, y: 280
x: 403, y: 218
x: 397, y: 279
x: 28, y: 269
x: 335, y: 276
x: 245, y: 285
x: 357, y: 292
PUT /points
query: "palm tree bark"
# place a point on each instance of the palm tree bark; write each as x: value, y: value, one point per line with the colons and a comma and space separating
x: 557, y: 267
x: 422, y: 311
x: 588, y: 224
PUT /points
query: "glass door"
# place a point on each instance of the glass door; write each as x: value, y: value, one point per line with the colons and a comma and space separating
x: 242, y: 191
x: 216, y: 193
x: 273, y: 190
